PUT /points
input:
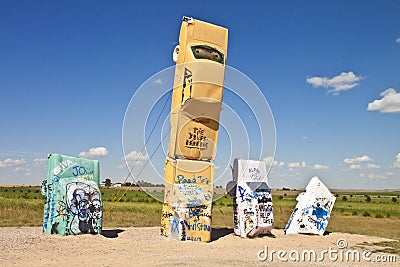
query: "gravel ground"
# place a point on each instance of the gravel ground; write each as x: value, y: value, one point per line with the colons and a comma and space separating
x: 27, y: 246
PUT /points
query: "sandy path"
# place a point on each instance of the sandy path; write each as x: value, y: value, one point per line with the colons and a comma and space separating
x: 27, y: 246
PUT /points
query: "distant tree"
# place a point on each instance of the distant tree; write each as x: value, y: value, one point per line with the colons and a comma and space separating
x: 351, y: 195
x: 366, y: 214
x: 107, y: 182
x: 344, y: 198
x: 143, y: 183
x: 367, y: 198
x: 394, y: 200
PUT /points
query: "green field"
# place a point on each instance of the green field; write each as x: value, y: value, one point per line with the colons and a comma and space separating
x: 368, y: 213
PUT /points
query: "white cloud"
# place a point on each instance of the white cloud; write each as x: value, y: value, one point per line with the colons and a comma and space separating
x: 268, y: 162
x: 320, y: 167
x: 26, y: 171
x: 19, y: 169
x: 376, y: 176
x: 135, y: 156
x: 158, y: 81
x: 94, y: 152
x: 11, y: 162
x: 293, y: 165
x: 40, y: 161
x: 373, y: 166
x: 297, y: 165
x: 344, y: 81
x: 396, y: 164
x: 355, y: 166
x: 364, y: 158
x: 398, y: 40
x: 389, y: 103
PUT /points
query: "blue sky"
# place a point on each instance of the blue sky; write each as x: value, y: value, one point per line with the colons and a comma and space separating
x: 329, y: 71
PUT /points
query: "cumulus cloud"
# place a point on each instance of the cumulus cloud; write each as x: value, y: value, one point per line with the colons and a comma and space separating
x: 373, y: 166
x: 398, y: 40
x: 361, y: 159
x: 94, y: 152
x: 158, y: 81
x: 39, y: 161
x: 389, y: 103
x: 24, y: 170
x: 355, y: 166
x: 268, y: 161
x: 344, y: 81
x: 320, y: 167
x: 19, y: 169
x: 135, y: 156
x: 293, y: 165
x: 376, y: 176
x: 396, y: 164
x: 11, y: 163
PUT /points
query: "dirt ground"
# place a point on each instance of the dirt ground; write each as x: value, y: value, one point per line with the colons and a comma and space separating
x: 27, y: 246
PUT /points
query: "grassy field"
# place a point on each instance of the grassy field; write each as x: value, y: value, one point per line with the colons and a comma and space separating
x: 368, y: 213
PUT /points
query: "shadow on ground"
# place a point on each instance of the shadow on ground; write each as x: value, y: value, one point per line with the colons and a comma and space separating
x: 327, y: 233
x: 217, y: 233
x: 111, y: 233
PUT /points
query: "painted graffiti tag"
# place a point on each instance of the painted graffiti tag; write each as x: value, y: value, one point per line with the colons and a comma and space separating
x: 64, y: 165
x: 195, y: 179
x: 254, y: 174
x: 253, y: 212
x: 242, y: 192
x: 187, y: 84
x: 83, y: 173
x: 196, y: 139
x: 174, y: 226
x: 84, y: 203
x: 51, y: 189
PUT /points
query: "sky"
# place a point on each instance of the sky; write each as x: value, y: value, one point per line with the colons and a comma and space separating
x: 329, y: 72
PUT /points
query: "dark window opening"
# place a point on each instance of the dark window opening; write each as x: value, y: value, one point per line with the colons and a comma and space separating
x: 207, y: 52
